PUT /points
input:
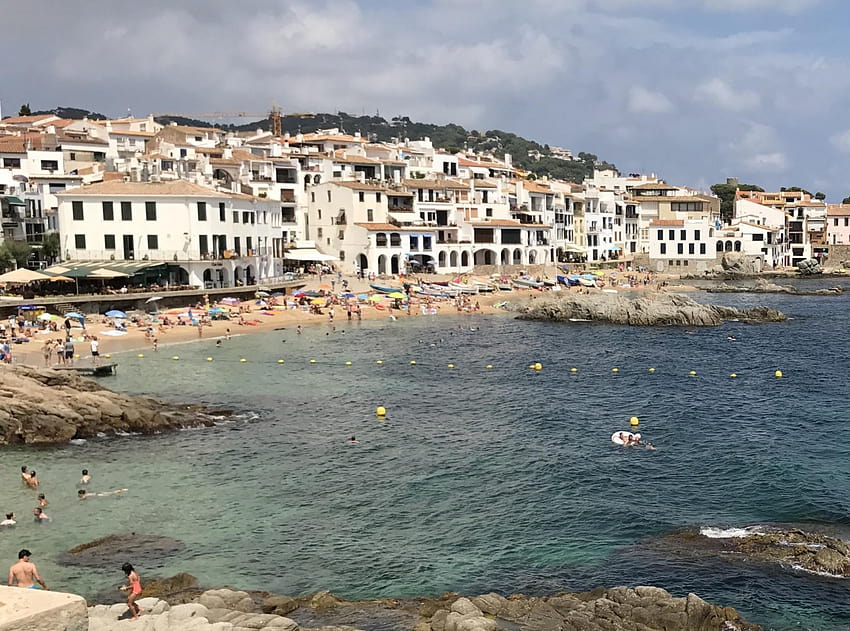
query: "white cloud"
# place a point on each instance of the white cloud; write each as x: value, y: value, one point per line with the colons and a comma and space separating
x: 646, y: 101
x: 719, y: 93
x: 759, y: 149
x: 766, y: 162
x: 785, y: 6
x: 841, y: 141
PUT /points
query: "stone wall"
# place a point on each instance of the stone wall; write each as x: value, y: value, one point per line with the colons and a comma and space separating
x: 837, y: 254
x: 39, y: 610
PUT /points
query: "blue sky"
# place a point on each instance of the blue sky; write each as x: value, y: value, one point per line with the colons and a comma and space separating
x: 693, y: 90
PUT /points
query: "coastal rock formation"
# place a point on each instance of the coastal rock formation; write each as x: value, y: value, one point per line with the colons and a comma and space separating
x: 790, y: 548
x: 648, y: 310
x: 763, y: 286
x: 738, y: 263
x: 809, y: 267
x: 621, y: 608
x: 53, y: 406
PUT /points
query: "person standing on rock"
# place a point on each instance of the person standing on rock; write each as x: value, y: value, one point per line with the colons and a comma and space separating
x: 134, y: 587
x: 24, y: 573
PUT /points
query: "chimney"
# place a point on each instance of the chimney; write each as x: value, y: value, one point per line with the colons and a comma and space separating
x: 227, y: 153
x: 357, y: 134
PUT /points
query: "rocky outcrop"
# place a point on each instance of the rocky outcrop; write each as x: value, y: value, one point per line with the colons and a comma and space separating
x: 40, y: 406
x: 790, y: 548
x: 39, y: 610
x: 809, y: 267
x: 113, y: 550
x: 620, y: 608
x: 763, y: 286
x: 738, y: 263
x: 661, y: 309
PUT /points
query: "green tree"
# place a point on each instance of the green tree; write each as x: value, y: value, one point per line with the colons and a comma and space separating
x: 820, y: 196
x: 726, y: 193
x: 25, y: 110
x: 17, y: 252
x: 846, y: 200
x: 51, y: 247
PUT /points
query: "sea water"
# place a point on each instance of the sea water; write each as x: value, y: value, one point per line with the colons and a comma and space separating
x: 478, y: 478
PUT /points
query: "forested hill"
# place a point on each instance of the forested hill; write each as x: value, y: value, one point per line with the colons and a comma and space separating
x: 527, y: 154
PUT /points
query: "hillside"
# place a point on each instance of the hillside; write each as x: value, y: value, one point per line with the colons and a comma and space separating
x: 527, y: 154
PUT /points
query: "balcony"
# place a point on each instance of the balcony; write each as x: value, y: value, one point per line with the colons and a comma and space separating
x: 287, y: 196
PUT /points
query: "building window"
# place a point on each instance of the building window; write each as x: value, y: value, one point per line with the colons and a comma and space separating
x: 153, y: 242
x: 77, y: 210
x: 661, y: 235
x: 12, y: 163
x: 108, y: 211
x: 377, y: 197
x: 671, y: 235
x: 202, y: 211
x: 395, y: 239
x: 109, y: 241
x: 49, y: 165
x: 203, y: 244
x: 319, y: 213
x: 686, y: 206
x: 249, y: 245
x: 488, y: 212
x: 235, y: 216
x: 370, y: 214
x: 126, y: 211
x: 691, y: 248
x: 696, y: 235
x: 329, y: 196
x: 702, y: 248
x: 381, y: 239
x: 237, y: 244
x: 150, y: 211
x: 361, y: 196
x: 246, y: 217
x: 312, y: 196
x: 341, y: 235
x: 414, y: 242
x: 680, y: 248
x: 221, y: 216
x: 80, y: 241
x: 683, y: 235
x: 663, y: 248
x: 426, y: 242
x: 319, y: 232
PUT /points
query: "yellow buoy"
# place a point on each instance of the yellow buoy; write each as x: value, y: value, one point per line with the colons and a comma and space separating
x: 778, y: 374
x: 279, y: 361
x: 175, y: 358
x: 140, y: 355
x: 652, y: 370
x: 634, y: 421
x: 573, y: 369
x: 489, y: 366
x: 379, y: 362
x: 451, y: 366
x: 209, y: 359
x: 538, y: 366
x: 615, y: 370
x: 348, y: 363
x: 733, y: 376
x: 380, y: 411
x: 412, y: 362
x: 693, y: 373
x: 108, y: 356
x: 243, y: 360
x: 76, y: 356
x: 312, y: 361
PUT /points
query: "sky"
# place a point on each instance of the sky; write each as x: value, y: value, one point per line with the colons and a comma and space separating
x: 694, y: 91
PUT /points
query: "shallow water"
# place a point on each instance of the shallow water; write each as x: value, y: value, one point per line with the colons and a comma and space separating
x: 502, y: 479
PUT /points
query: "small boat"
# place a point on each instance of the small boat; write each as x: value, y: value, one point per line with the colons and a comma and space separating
x: 504, y: 287
x: 586, y: 282
x: 463, y: 289
x: 385, y: 289
x: 527, y: 284
x: 483, y: 285
x: 549, y: 283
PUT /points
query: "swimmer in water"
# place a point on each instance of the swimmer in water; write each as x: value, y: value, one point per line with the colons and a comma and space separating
x: 9, y: 521
x: 649, y: 447
x: 32, y: 481
x: 86, y: 477
x: 40, y: 515
x: 218, y: 343
x: 353, y: 441
x: 731, y: 338
x: 83, y: 494
x: 42, y: 502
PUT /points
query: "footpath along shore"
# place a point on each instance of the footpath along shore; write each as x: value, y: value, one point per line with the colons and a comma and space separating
x: 265, y: 320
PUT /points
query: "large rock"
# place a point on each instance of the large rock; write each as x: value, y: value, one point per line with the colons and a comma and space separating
x: 39, y: 610
x: 113, y: 550
x: 739, y: 263
x: 42, y: 406
x: 809, y: 267
x: 648, y: 310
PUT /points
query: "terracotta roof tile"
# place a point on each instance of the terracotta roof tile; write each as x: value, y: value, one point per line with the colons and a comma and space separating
x: 174, y: 188
x: 668, y: 222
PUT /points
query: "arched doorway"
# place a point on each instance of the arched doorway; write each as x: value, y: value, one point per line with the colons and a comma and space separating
x: 728, y: 246
x: 208, y: 279
x: 362, y: 262
x: 237, y: 276
x: 250, y: 276
x: 737, y: 246
x: 224, y: 177
x: 517, y: 257
x: 441, y: 259
x: 394, y: 264
x: 719, y: 247
x: 506, y: 257
x: 532, y: 257
x: 464, y: 258
x: 382, y: 264
x: 485, y: 257
x: 453, y: 259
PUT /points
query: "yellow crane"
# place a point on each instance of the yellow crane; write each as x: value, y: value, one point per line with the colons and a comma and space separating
x: 275, y: 115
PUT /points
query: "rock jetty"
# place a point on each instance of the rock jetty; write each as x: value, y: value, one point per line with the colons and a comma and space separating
x: 43, y: 406
x: 763, y: 286
x: 621, y: 608
x: 655, y: 309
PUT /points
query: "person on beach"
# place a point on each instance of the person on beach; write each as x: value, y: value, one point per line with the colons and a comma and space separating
x: 227, y: 334
x: 86, y: 477
x: 69, y: 351
x: 47, y: 353
x: 24, y: 574
x: 95, y: 353
x: 9, y: 521
x: 134, y: 587
x: 59, y: 348
x: 32, y: 481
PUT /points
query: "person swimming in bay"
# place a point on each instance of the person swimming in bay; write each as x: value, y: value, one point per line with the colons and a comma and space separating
x: 9, y: 521
x: 25, y: 475
x: 32, y: 481
x: 218, y: 343
x: 83, y: 494
x: 40, y: 515
x: 42, y: 501
x: 353, y: 441
x: 86, y: 477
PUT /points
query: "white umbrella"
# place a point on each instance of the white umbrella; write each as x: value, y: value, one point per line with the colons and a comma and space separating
x: 22, y: 275
x: 153, y: 299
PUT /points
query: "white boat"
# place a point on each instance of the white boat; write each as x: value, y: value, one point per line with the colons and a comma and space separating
x: 587, y: 282
x: 461, y: 288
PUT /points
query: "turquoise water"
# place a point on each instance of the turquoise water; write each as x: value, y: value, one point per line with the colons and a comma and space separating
x: 502, y: 479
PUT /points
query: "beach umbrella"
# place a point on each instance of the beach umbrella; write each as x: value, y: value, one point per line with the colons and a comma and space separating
x: 298, y: 294
x: 47, y: 317
x: 346, y: 295
x: 115, y: 313
x: 397, y: 295
x: 318, y: 301
x: 230, y: 301
x: 375, y: 298
x: 153, y: 299
x: 313, y: 294
x: 75, y: 315
x: 261, y: 294
x: 362, y: 297
x: 22, y: 276
x: 216, y: 310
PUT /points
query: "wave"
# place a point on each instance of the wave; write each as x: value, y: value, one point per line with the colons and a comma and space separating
x: 805, y: 570
x: 730, y: 533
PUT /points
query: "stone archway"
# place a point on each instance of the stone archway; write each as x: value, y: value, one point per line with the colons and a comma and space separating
x: 532, y: 257
x: 208, y: 278
x: 464, y: 258
x: 719, y: 247
x: 737, y: 246
x: 363, y: 262
x: 728, y: 247
x: 238, y: 276
x: 441, y: 259
x: 250, y: 276
x: 453, y: 259
x: 517, y: 260
x: 382, y: 264
x: 394, y: 269
x: 506, y: 257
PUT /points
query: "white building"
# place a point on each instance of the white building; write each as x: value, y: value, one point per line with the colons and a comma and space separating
x: 203, y: 236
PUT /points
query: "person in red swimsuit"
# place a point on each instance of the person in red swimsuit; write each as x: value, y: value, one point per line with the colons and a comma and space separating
x: 134, y: 586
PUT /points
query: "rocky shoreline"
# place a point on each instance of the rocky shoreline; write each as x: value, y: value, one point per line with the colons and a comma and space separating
x: 45, y: 406
x: 656, y: 309
x: 762, y: 286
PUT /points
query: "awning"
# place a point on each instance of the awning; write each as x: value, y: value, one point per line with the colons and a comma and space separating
x: 22, y: 276
x: 102, y: 269
x: 308, y: 254
x: 615, y: 248
x: 571, y: 247
x: 15, y: 201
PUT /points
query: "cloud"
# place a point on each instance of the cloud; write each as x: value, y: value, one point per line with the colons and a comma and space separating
x: 719, y: 93
x: 758, y: 149
x: 841, y: 141
x: 646, y: 101
x: 784, y: 6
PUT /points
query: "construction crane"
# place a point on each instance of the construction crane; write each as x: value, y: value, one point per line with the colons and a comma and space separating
x: 275, y: 115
